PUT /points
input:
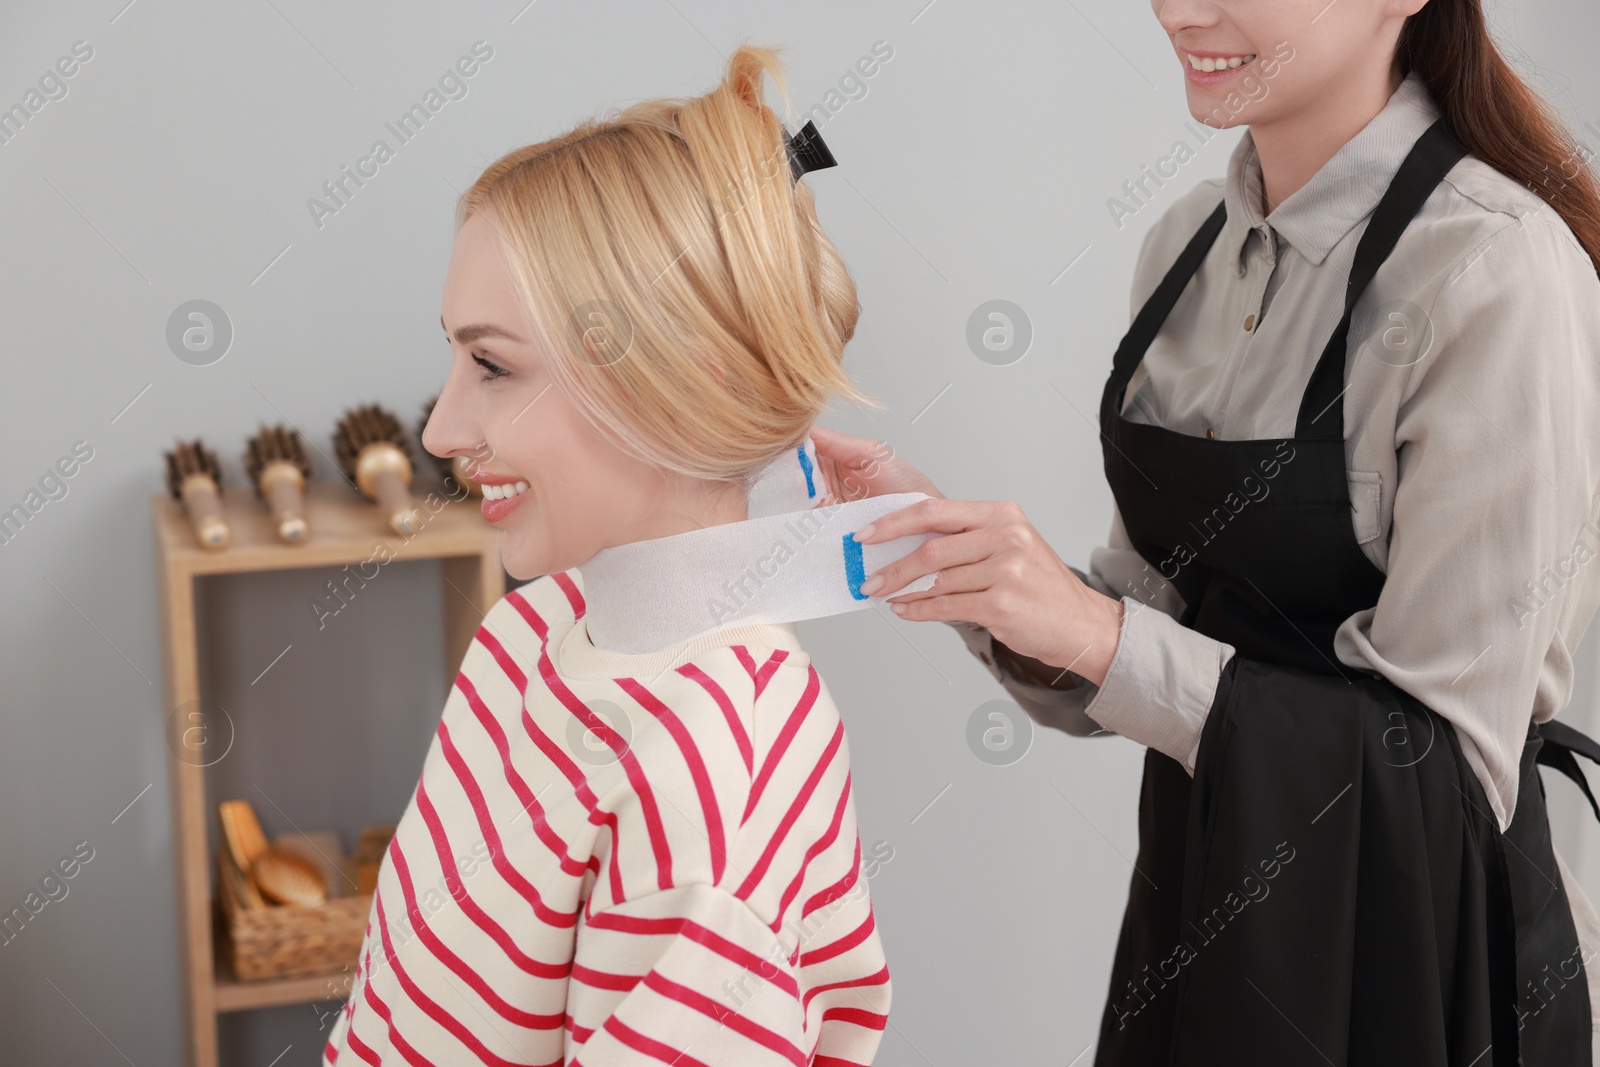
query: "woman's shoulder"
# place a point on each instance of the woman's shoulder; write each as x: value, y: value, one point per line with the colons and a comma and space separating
x: 741, y: 689
x: 553, y: 598
x: 1479, y: 209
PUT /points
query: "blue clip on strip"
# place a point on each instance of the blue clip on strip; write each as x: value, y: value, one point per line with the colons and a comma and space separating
x: 855, y: 571
x: 805, y: 465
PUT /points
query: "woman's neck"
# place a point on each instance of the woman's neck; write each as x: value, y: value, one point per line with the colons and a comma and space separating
x: 691, y: 506
x: 1293, y: 148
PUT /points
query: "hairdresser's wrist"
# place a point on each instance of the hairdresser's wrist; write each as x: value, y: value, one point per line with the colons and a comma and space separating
x: 1033, y: 671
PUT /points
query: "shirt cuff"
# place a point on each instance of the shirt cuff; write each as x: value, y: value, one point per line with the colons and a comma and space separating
x: 1161, y: 683
x: 1059, y: 709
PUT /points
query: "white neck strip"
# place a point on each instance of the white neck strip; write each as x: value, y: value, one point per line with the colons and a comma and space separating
x: 789, y: 561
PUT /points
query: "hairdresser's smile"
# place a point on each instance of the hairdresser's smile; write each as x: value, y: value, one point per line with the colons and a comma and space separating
x: 1213, y: 68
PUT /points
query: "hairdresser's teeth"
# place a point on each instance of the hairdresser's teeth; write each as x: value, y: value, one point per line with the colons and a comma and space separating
x: 1209, y: 64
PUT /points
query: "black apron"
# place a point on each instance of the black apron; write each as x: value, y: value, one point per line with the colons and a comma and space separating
x: 1331, y: 885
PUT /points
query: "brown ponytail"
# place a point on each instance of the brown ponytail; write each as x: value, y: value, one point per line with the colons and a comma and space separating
x: 1496, y: 116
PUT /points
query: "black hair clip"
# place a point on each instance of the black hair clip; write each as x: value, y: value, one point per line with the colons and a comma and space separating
x: 807, y: 152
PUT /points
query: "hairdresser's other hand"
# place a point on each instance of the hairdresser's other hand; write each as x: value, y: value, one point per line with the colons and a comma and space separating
x: 859, y: 467
x: 993, y: 568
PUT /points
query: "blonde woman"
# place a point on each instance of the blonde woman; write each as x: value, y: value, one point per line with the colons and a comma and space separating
x: 634, y: 837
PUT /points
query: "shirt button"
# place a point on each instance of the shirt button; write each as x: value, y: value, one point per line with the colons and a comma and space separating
x: 1210, y: 432
x: 1249, y: 322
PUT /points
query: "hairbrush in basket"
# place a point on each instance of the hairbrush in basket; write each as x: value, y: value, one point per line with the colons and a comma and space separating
x: 286, y: 877
x: 195, y: 477
x: 375, y: 454
x: 278, y: 467
x: 281, y: 875
x: 457, y: 468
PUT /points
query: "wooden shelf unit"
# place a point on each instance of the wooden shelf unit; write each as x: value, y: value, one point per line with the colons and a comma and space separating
x: 344, y: 530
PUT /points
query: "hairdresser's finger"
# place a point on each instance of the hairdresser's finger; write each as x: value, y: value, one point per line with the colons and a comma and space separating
x: 847, y: 448
x: 937, y: 555
x: 946, y: 607
x: 833, y: 480
x: 864, y: 467
x: 936, y: 515
x: 973, y: 577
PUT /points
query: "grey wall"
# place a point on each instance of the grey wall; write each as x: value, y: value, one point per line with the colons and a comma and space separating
x: 977, y: 165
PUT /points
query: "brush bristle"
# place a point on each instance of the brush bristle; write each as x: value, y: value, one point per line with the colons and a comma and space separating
x: 191, y: 457
x: 272, y: 444
x: 362, y: 426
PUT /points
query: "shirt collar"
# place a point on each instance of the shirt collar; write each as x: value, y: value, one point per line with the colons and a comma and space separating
x: 1318, y: 215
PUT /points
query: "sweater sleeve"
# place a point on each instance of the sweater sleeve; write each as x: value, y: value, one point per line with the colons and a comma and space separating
x: 691, y: 975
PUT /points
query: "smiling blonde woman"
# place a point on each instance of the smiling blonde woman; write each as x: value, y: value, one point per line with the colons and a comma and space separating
x: 634, y: 837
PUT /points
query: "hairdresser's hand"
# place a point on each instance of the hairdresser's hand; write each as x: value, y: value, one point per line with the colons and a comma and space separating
x: 993, y: 568
x: 858, y: 467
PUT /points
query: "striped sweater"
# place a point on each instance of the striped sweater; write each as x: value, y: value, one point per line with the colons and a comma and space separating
x: 623, y: 859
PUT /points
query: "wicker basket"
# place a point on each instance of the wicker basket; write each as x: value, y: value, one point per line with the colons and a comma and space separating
x: 286, y: 940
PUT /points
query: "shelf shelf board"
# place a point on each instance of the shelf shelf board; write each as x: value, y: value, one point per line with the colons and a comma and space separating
x: 344, y: 529
x: 233, y: 994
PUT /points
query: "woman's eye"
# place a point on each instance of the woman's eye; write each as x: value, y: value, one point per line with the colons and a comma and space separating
x: 491, y: 369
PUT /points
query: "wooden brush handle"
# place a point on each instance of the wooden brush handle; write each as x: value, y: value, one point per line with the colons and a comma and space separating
x: 284, y: 488
x: 204, y: 504
x: 395, y: 500
x: 383, y: 473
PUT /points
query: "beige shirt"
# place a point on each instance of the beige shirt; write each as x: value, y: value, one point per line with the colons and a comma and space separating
x: 1472, y: 435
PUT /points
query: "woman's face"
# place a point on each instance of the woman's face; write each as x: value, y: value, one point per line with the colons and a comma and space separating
x: 1309, y: 55
x: 500, y: 408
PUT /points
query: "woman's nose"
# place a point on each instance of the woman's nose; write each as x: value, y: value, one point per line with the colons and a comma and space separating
x: 448, y: 432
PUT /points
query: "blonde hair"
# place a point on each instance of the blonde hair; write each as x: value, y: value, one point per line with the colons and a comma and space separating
x: 680, y: 286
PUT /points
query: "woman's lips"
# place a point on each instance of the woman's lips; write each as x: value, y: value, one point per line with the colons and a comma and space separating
x: 494, y: 506
x: 495, y: 510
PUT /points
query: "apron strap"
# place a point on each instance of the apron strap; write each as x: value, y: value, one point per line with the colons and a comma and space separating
x: 1560, y: 742
x: 1430, y: 159
x: 1147, y: 323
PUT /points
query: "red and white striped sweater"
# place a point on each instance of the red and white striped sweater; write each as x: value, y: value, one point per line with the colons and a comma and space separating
x: 623, y: 859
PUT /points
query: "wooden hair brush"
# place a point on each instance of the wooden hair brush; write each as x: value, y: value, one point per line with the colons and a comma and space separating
x: 458, y: 468
x: 278, y: 467
x: 374, y: 453
x: 195, y: 477
x: 280, y: 875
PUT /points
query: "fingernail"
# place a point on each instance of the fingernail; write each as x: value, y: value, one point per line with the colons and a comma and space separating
x: 872, y: 585
x: 865, y: 532
x: 898, y: 609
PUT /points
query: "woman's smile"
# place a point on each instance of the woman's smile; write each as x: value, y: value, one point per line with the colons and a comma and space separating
x: 501, y: 495
x: 1214, y: 68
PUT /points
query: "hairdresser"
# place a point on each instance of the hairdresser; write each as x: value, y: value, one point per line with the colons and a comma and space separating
x: 1353, y: 439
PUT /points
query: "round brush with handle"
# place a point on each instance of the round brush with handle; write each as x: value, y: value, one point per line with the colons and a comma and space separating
x: 458, y: 468
x: 279, y: 469
x: 195, y: 478
x: 375, y: 455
